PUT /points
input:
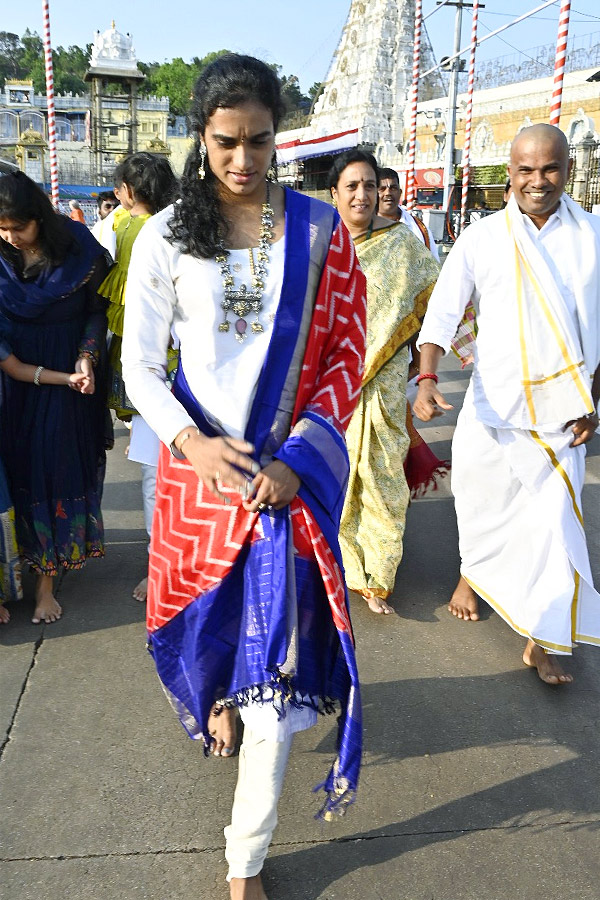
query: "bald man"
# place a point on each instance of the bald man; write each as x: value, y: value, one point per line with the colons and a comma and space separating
x: 533, y: 272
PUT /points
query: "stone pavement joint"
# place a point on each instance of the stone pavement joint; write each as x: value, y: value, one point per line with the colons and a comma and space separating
x: 34, y: 655
x: 282, y: 845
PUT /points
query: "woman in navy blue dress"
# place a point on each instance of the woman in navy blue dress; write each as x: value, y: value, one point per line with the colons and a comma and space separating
x: 51, y: 438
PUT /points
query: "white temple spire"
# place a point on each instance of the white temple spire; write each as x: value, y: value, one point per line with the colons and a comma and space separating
x: 368, y: 83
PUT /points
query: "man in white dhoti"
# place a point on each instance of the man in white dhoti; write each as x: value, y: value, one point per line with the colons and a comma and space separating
x: 533, y: 272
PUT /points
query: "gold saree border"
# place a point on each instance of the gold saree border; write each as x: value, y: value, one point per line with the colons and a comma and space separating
x: 408, y: 328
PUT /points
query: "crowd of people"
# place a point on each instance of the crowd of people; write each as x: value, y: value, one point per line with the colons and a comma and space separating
x: 260, y: 343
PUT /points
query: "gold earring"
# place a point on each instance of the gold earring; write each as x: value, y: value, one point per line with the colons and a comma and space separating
x: 201, y: 167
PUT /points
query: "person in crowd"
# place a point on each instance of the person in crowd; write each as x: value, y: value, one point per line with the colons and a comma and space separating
x: 389, y: 207
x: 76, y: 213
x: 51, y: 440
x: 10, y: 566
x: 105, y: 230
x: 103, y: 226
x: 147, y: 185
x: 400, y: 277
x: 247, y: 605
x: 519, y: 447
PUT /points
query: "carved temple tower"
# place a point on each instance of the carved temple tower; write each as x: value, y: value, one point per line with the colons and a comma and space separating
x: 114, y: 76
x: 369, y: 80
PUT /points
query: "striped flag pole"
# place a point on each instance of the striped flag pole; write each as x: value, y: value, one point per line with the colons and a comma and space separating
x: 466, y: 173
x: 559, y: 65
x: 50, y: 101
x: 411, y: 193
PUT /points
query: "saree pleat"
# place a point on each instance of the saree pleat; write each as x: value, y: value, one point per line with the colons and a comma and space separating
x: 400, y: 275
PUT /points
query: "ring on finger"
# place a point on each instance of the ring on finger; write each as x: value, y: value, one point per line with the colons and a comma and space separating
x: 262, y: 506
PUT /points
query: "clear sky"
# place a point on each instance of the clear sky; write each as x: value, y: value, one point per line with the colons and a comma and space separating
x: 301, y: 36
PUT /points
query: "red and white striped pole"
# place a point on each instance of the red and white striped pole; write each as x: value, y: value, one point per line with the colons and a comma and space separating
x: 411, y: 194
x: 466, y: 173
x: 559, y: 65
x: 50, y: 101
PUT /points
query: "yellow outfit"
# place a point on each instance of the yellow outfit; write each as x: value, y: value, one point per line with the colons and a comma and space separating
x: 401, y: 274
x: 127, y: 228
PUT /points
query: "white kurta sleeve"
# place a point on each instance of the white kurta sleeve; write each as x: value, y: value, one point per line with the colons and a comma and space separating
x: 452, y: 292
x: 150, y: 301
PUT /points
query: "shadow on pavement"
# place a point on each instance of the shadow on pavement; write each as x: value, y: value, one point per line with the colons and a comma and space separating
x: 544, y: 730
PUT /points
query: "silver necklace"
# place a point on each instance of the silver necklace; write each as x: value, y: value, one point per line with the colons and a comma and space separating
x: 243, y: 301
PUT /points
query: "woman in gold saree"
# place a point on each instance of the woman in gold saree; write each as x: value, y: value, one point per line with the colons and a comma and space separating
x: 401, y: 274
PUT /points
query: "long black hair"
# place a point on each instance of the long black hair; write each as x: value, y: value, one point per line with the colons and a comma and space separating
x: 198, y: 226
x: 150, y: 179
x: 346, y: 159
x: 23, y: 201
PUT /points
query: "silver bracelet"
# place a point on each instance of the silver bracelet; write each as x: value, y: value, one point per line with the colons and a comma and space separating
x: 177, y: 451
x: 36, y: 377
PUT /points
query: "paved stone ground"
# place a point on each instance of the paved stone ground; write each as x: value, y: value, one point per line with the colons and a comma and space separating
x: 479, y: 782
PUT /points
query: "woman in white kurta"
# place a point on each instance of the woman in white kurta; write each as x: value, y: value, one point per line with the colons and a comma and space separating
x: 247, y: 606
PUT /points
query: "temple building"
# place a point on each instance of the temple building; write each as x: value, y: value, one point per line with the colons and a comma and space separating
x: 93, y: 131
x: 365, y: 101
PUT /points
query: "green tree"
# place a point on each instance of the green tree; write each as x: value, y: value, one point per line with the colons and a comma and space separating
x: 315, y: 92
x: 176, y: 80
x: 33, y: 59
x: 11, y: 55
x: 70, y: 67
x: 296, y: 103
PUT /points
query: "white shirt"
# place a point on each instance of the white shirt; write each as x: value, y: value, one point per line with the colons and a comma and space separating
x: 105, y: 234
x: 408, y: 219
x: 171, y: 291
x: 481, y: 266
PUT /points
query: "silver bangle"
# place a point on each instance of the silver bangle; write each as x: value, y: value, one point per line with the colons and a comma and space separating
x: 36, y: 377
x: 177, y: 451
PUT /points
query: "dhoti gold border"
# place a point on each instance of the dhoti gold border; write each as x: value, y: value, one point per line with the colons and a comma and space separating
x: 560, y: 469
x: 547, y: 645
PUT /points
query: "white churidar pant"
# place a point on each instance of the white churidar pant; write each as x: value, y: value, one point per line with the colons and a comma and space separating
x: 262, y: 766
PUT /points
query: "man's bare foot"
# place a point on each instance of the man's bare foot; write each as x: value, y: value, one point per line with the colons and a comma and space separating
x: 140, y: 591
x: 247, y: 889
x: 464, y: 603
x: 4, y: 615
x: 375, y: 603
x: 546, y: 664
x: 46, y: 607
x: 222, y: 728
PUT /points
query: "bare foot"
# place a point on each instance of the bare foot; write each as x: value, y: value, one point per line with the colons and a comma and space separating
x: 546, y: 664
x: 222, y: 728
x: 4, y: 615
x: 46, y: 607
x: 464, y: 603
x: 140, y: 591
x: 376, y: 604
x: 247, y: 889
